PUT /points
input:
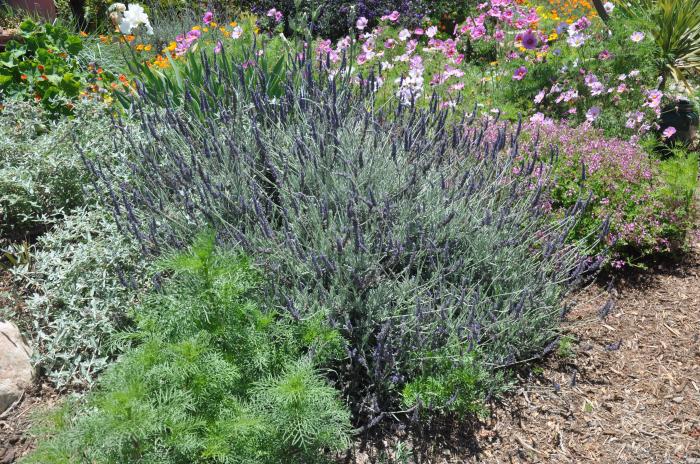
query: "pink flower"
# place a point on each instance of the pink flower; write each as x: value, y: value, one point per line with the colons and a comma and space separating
x: 404, y: 35
x: 219, y: 47
x: 207, y: 18
x: 668, y: 132
x: 274, y: 13
x: 519, y: 73
x: 539, y: 97
x: 637, y: 37
x: 361, y: 23
x: 653, y: 98
x: 537, y: 117
x: 419, y: 31
x: 529, y: 40
x: 393, y: 16
x: 499, y: 35
x: 431, y: 32
x: 604, y: 55
x: 592, y: 114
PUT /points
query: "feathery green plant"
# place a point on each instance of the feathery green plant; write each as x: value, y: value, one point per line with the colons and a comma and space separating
x: 207, y: 377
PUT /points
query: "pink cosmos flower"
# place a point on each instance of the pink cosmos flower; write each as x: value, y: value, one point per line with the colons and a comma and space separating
x: 539, y: 97
x: 499, y: 35
x: 653, y: 98
x: 431, y: 32
x: 529, y: 40
x: 519, y: 73
x: 592, y: 114
x: 404, y: 35
x: 208, y: 17
x: 361, y: 23
x: 537, y: 117
x: 274, y: 13
x: 668, y: 132
x: 389, y: 43
x: 637, y: 37
x: 219, y: 47
x: 419, y: 31
x: 393, y: 16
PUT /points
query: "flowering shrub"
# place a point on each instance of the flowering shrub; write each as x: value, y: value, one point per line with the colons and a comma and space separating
x: 629, y: 188
x: 400, y: 233
x: 44, y: 67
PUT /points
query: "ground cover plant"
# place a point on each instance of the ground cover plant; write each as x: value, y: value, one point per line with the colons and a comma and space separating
x: 211, y: 377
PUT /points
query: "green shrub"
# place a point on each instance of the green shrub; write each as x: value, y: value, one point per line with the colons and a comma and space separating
x: 409, y: 235
x: 210, y: 378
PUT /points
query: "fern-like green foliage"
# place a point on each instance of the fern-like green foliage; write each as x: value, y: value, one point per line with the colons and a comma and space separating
x: 207, y: 377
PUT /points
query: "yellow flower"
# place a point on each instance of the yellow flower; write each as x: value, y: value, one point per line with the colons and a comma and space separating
x: 172, y: 46
x: 552, y: 37
x: 212, y: 24
x: 233, y: 24
x: 206, y: 29
x: 197, y: 28
x: 147, y: 48
x: 139, y: 47
x: 256, y: 30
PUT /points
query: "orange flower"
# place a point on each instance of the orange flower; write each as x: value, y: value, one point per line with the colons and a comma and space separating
x: 23, y: 77
x: 104, y: 39
x: 83, y: 34
x: 123, y: 78
x: 40, y: 68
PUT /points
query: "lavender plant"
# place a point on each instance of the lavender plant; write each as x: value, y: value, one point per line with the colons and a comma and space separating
x: 408, y: 234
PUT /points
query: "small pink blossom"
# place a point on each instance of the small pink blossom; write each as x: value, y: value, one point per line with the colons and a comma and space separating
x: 519, y: 73
x: 668, y: 132
x: 208, y: 17
x: 404, y: 35
x: 393, y: 16
x: 539, y: 97
x: 361, y: 23
x: 637, y: 36
x: 592, y: 113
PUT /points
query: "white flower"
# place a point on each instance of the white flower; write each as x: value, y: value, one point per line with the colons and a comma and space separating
x: 404, y: 35
x: 431, y: 32
x: 134, y: 17
x: 608, y: 7
x: 237, y: 32
x: 119, y: 7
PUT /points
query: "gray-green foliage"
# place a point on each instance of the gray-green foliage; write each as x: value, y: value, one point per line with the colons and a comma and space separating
x: 74, y: 297
x: 193, y: 388
x: 41, y: 172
